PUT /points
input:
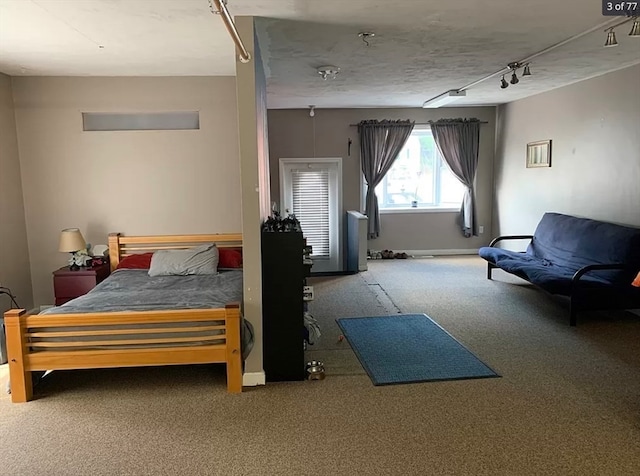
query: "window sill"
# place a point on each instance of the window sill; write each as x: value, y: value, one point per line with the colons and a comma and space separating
x: 390, y: 211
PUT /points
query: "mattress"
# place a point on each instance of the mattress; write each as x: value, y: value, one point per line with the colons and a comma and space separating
x: 135, y: 290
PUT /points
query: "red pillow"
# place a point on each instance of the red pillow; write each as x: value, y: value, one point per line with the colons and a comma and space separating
x: 137, y: 261
x: 229, y: 258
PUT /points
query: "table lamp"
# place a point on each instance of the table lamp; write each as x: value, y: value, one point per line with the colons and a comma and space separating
x: 71, y: 241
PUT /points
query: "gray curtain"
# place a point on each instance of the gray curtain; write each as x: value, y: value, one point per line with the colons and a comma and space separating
x: 458, y: 141
x: 380, y: 144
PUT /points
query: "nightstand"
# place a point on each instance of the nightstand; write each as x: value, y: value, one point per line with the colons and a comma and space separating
x: 68, y: 284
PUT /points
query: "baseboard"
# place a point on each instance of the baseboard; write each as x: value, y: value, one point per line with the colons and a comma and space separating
x: 426, y: 253
x: 331, y: 273
x: 253, y: 379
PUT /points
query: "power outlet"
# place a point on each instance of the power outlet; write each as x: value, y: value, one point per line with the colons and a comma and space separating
x: 481, y: 229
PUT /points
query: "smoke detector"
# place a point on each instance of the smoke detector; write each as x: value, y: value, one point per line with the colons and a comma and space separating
x: 328, y: 72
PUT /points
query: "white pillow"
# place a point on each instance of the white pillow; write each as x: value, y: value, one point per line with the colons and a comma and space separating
x: 201, y: 259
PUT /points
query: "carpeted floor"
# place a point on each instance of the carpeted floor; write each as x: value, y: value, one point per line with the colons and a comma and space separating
x: 568, y: 402
x: 343, y: 296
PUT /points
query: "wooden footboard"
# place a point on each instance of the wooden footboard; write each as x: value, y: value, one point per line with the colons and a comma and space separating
x: 33, y: 343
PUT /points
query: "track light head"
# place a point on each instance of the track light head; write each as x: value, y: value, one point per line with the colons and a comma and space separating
x: 635, y: 29
x: 527, y: 71
x: 503, y: 83
x: 611, y: 39
x: 514, y: 78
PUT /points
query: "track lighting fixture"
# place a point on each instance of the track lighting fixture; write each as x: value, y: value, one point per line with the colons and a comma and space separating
x: 611, y: 39
x: 514, y: 66
x: 611, y: 33
x: 524, y: 62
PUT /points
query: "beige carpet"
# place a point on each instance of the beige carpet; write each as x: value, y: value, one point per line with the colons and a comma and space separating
x: 568, y: 402
x: 337, y: 297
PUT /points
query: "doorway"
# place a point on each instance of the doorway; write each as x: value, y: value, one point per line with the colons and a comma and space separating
x: 311, y: 189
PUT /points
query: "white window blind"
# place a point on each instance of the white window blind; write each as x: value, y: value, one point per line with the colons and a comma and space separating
x: 311, y: 207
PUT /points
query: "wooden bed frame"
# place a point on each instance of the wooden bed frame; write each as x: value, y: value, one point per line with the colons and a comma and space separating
x: 25, y: 357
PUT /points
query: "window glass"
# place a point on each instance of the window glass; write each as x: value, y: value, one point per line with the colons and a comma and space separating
x: 420, y: 178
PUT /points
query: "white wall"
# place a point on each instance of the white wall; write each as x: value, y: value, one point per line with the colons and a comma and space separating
x: 595, y: 171
x: 254, y: 163
x: 135, y: 182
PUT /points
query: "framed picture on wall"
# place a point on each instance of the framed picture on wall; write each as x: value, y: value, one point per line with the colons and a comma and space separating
x: 539, y: 153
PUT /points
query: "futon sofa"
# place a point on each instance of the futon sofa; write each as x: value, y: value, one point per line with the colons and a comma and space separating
x: 592, y: 262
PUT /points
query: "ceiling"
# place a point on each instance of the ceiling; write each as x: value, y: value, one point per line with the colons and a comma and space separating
x: 421, y: 48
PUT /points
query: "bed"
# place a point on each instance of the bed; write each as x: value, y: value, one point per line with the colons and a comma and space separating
x: 164, y: 334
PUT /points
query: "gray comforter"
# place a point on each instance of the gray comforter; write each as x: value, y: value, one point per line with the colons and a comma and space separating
x: 135, y: 290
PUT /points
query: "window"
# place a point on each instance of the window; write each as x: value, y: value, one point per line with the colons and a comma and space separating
x: 420, y: 178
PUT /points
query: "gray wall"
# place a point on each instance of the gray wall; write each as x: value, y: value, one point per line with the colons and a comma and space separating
x: 292, y: 133
x: 14, y: 255
x: 595, y: 167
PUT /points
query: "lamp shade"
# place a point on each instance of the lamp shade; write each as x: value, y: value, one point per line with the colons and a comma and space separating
x: 71, y: 240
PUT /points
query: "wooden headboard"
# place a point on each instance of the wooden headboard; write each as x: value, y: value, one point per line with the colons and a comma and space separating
x: 121, y: 246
